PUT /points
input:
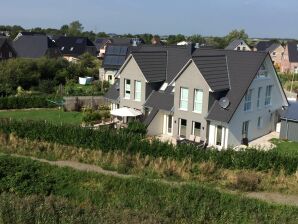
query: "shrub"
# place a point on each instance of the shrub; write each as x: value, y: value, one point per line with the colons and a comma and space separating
x: 137, y: 128
x: 247, y: 181
x: 92, y: 117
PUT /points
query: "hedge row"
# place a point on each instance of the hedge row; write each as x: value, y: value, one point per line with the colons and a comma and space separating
x: 24, y: 102
x: 110, y: 139
x: 166, y: 203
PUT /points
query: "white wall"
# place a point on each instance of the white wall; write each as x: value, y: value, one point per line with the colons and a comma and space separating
x: 240, y: 116
x: 157, y: 124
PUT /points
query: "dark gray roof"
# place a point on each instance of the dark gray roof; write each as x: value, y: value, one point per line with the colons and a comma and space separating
x: 153, y: 64
x: 101, y: 42
x: 33, y: 46
x: 268, y: 46
x: 214, y: 70
x: 151, y: 116
x: 2, y: 41
x: 293, y: 51
x: 75, y: 46
x: 243, y: 67
x: 234, y: 44
x: 113, y: 92
x: 161, y: 100
x: 115, y: 56
x: 291, y: 113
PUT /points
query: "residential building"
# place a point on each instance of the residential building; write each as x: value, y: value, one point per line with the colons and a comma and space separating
x: 221, y: 97
x: 73, y: 47
x: 6, y: 49
x: 238, y: 45
x: 275, y: 49
x: 289, y: 61
x: 101, y: 46
x: 35, y: 46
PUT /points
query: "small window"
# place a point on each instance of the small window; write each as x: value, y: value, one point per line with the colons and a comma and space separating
x: 10, y: 54
x: 273, y: 53
x: 196, y: 129
x: 198, y: 100
x: 247, y: 101
x: 71, y: 49
x: 183, y: 98
x: 268, y: 95
x: 126, y: 88
x: 260, y: 122
x: 62, y: 48
x: 238, y: 48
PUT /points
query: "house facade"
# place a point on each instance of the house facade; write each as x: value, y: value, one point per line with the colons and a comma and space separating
x: 289, y: 61
x: 222, y: 98
x: 6, y: 49
x: 238, y: 45
x: 276, y: 51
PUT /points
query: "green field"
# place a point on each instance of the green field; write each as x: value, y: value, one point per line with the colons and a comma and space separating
x: 286, y: 147
x: 50, y: 115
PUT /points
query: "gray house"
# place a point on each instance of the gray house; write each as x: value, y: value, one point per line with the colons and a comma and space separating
x: 238, y: 45
x: 289, y: 123
x: 221, y: 97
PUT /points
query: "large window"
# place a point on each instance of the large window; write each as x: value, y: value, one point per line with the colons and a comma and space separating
x: 183, y: 98
x: 127, y: 88
x: 247, y: 101
x: 182, y: 129
x: 198, y: 101
x: 259, y: 97
x: 138, y: 90
x: 196, y: 129
x: 268, y: 95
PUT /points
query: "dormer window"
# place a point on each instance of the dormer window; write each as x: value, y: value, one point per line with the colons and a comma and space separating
x: 62, y: 48
x: 164, y: 86
x: 71, y: 49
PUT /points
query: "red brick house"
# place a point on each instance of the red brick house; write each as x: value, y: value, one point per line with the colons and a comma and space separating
x: 289, y: 61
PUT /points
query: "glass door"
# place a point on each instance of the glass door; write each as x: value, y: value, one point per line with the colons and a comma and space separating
x: 169, y: 124
x: 182, y: 128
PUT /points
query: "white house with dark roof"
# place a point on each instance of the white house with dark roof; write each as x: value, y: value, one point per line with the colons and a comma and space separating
x: 219, y: 97
x: 238, y: 45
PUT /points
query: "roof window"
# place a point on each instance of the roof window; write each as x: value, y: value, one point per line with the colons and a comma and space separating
x: 71, y: 49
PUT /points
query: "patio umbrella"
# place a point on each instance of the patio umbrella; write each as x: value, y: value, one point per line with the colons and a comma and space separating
x: 125, y: 112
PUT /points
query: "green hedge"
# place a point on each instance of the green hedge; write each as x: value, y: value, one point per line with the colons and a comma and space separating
x: 169, y: 204
x: 24, y: 102
x: 127, y: 141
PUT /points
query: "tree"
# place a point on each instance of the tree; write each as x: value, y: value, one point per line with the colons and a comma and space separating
x: 197, y: 39
x: 236, y: 34
x: 75, y: 28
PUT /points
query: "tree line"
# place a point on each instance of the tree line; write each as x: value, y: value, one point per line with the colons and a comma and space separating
x: 75, y: 28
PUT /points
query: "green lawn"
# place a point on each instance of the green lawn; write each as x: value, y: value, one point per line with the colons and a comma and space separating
x: 286, y: 147
x: 50, y: 115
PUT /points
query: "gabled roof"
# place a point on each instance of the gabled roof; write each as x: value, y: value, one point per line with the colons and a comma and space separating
x: 101, y: 42
x: 73, y: 46
x: 33, y: 46
x: 293, y: 51
x: 234, y: 44
x: 242, y: 67
x: 152, y: 64
x: 214, y: 70
x: 113, y: 92
x: 267, y: 46
x: 291, y: 113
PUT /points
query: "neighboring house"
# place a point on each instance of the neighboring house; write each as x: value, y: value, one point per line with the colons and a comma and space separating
x: 6, y: 49
x: 101, y: 45
x: 28, y: 33
x: 276, y: 50
x: 238, y: 45
x: 73, y: 47
x: 224, y: 98
x: 35, y: 46
x: 289, y: 61
x: 289, y: 122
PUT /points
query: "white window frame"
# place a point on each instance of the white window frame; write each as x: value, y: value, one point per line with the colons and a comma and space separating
x: 268, y: 95
x: 248, y: 101
x: 183, y: 104
x: 198, y: 101
x: 127, y: 89
x: 259, y: 97
x: 193, y: 128
x: 138, y: 92
x: 180, y: 120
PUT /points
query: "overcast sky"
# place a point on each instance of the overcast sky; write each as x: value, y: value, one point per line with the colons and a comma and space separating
x: 260, y: 18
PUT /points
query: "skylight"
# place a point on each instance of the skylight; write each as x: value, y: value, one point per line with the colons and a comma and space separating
x: 71, y: 49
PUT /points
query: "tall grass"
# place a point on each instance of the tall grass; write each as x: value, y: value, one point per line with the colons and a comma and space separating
x: 173, y: 204
x: 109, y: 140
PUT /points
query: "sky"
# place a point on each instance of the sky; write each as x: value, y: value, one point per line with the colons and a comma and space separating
x: 259, y: 18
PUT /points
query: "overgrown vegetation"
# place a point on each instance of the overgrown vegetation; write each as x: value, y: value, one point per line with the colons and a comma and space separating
x: 109, y: 140
x: 172, y: 204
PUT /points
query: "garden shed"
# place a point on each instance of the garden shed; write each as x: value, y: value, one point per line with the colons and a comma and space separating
x: 289, y: 122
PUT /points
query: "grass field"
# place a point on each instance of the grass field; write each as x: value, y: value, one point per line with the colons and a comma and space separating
x: 51, y: 115
x: 286, y: 147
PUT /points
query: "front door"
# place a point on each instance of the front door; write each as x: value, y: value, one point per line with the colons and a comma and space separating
x: 169, y: 124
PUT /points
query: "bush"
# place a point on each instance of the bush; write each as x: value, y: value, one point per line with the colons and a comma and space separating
x: 137, y: 128
x: 24, y: 102
x: 92, y: 117
x: 131, y: 141
x: 168, y: 203
x: 247, y: 181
